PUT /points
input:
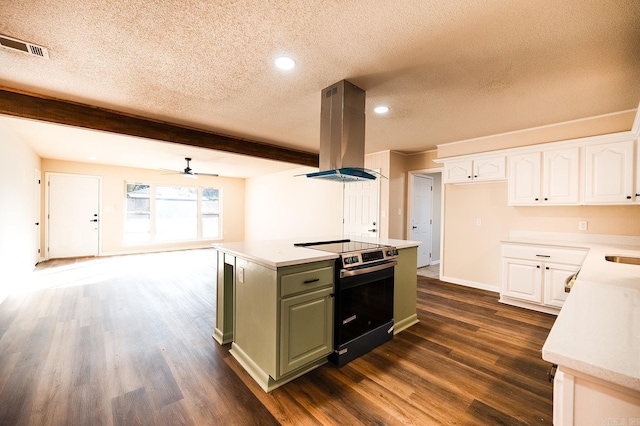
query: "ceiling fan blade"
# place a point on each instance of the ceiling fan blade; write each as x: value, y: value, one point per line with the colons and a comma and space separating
x: 205, y: 174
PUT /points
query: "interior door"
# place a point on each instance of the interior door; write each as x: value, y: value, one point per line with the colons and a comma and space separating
x: 73, y: 220
x: 361, y: 206
x: 422, y: 216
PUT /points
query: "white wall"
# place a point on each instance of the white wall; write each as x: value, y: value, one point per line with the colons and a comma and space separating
x: 282, y: 206
x: 18, y: 251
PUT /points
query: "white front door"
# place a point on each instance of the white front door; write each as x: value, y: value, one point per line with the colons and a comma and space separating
x: 73, y: 222
x: 37, y: 214
x: 361, y: 206
x: 422, y: 216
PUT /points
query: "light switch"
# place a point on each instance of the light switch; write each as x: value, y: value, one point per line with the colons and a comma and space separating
x: 240, y: 274
x: 582, y: 226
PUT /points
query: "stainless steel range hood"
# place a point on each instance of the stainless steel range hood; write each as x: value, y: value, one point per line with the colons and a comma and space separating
x: 342, y: 124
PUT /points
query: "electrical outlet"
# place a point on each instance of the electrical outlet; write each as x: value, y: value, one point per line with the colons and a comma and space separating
x: 582, y: 226
x: 478, y: 222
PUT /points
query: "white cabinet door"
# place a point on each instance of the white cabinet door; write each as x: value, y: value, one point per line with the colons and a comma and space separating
x: 489, y: 168
x: 522, y: 279
x: 609, y: 173
x: 458, y: 171
x: 561, y: 176
x: 555, y: 275
x: 524, y: 179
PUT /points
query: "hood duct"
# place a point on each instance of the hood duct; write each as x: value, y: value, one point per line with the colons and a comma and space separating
x: 342, y: 125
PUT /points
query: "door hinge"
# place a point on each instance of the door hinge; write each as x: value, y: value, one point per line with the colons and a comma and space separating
x: 430, y: 221
x: 38, y: 251
x: 429, y: 255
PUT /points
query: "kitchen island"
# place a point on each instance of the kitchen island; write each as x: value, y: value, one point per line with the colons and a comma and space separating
x: 275, y: 304
x: 595, y: 341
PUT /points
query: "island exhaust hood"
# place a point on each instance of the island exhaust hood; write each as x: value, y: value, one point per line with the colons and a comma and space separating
x: 342, y: 123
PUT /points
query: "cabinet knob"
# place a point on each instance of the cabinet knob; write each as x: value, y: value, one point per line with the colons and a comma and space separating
x: 537, y: 199
x: 547, y: 268
x: 538, y: 266
x: 468, y: 177
x: 628, y: 197
x: 475, y: 176
x: 546, y: 199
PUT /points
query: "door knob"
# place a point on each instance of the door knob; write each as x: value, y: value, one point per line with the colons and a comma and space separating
x: 37, y: 223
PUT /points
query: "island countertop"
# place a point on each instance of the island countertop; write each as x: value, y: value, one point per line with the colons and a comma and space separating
x: 278, y: 253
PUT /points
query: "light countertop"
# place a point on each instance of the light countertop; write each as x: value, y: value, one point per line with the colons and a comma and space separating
x: 278, y: 253
x: 598, y: 329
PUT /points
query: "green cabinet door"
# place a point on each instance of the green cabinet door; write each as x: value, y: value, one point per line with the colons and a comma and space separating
x: 306, y: 328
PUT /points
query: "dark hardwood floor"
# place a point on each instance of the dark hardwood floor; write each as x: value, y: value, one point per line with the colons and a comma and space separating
x: 127, y: 340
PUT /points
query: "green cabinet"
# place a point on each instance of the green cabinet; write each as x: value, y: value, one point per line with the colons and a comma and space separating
x: 283, y: 319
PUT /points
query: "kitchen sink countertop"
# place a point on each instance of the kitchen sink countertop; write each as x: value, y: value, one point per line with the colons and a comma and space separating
x: 598, y: 329
x: 278, y: 253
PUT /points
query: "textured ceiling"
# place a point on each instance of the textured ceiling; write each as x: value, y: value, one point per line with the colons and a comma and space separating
x: 449, y: 69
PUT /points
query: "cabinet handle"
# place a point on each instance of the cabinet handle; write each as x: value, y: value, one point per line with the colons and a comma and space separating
x: 547, y: 268
x: 542, y: 255
x: 313, y: 280
x: 475, y: 176
x: 536, y: 199
x: 546, y: 199
x: 628, y: 197
x: 637, y: 195
x: 538, y: 266
x: 552, y: 372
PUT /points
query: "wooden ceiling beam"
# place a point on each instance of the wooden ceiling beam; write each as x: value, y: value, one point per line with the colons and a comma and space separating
x: 58, y: 111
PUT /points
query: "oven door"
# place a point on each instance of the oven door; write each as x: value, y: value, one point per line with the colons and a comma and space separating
x: 364, y: 310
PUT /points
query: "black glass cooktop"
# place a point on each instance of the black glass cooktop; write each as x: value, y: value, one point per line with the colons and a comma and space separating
x: 340, y: 246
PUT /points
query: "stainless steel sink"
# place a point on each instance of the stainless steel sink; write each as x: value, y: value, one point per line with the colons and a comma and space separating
x: 623, y: 259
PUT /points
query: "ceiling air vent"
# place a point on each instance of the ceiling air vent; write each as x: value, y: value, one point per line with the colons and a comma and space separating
x: 23, y: 46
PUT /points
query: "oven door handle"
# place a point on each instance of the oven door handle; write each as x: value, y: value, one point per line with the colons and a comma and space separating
x: 353, y: 272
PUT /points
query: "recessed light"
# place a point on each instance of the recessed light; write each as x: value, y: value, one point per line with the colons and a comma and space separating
x: 285, y: 63
x: 92, y: 158
x: 382, y: 109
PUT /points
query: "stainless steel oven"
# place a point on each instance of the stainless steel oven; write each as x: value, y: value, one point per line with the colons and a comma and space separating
x: 363, y: 309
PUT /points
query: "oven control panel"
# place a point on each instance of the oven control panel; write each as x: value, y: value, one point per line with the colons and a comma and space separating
x: 362, y: 258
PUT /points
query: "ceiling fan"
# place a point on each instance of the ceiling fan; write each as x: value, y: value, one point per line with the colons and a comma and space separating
x: 188, y: 171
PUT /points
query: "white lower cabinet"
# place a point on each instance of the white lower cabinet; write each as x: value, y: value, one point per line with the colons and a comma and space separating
x: 533, y: 276
x: 580, y: 399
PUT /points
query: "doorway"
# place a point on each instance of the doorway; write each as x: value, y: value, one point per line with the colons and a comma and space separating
x: 360, y: 209
x: 73, y: 205
x: 424, y: 221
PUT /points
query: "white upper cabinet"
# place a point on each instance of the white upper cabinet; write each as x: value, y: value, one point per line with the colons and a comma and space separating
x: 550, y: 177
x: 561, y: 176
x: 458, y: 171
x: 476, y: 170
x: 609, y: 173
x: 524, y: 179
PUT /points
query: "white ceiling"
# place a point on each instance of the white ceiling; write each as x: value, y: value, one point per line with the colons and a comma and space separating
x: 449, y: 69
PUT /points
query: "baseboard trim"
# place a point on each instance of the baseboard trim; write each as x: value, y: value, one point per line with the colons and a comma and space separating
x: 472, y: 284
x: 405, y: 323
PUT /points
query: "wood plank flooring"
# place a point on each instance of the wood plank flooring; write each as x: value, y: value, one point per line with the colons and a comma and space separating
x: 127, y: 340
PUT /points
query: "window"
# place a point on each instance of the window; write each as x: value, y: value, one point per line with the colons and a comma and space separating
x: 156, y: 213
x: 176, y: 213
x: 210, y: 213
x: 137, y: 226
